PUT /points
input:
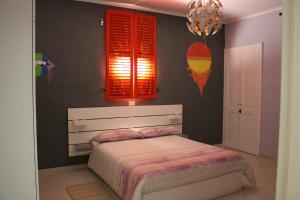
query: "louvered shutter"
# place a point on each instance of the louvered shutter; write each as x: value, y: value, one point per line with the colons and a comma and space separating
x: 145, y: 56
x: 130, y: 55
x: 119, y: 54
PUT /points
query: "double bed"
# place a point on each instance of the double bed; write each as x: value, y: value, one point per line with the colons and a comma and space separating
x: 168, y: 167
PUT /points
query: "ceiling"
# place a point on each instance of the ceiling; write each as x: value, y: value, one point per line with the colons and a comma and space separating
x: 233, y: 10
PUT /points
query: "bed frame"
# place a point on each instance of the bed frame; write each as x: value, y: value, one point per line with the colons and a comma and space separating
x: 203, y: 190
x: 85, y: 123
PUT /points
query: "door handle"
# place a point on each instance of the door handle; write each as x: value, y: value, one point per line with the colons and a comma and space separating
x: 240, y: 111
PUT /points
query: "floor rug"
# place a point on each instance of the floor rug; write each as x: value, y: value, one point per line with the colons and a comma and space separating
x: 91, y: 191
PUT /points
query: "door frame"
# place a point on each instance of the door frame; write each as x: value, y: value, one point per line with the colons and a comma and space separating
x: 288, y: 172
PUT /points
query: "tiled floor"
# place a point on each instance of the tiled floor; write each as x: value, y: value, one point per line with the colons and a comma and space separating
x: 53, y: 182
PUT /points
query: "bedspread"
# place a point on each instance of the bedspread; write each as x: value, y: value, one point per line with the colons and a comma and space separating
x: 135, y: 167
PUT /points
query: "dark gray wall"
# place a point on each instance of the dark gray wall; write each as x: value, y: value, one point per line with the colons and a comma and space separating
x: 69, y: 32
x: 266, y: 29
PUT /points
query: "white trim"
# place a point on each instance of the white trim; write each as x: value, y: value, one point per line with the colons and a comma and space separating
x: 34, y: 99
x: 255, y: 15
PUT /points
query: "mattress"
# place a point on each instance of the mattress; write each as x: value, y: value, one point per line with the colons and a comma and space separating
x: 140, y: 166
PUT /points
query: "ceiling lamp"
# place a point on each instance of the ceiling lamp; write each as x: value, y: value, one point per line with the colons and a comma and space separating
x: 204, y: 17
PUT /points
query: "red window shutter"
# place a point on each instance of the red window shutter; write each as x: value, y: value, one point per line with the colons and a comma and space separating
x: 119, y: 54
x: 130, y: 55
x: 145, y: 57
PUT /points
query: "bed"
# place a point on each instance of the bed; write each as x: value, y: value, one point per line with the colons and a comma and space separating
x: 168, y: 167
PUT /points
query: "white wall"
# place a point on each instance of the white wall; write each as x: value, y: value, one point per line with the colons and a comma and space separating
x: 17, y: 139
x: 288, y: 187
x: 266, y: 29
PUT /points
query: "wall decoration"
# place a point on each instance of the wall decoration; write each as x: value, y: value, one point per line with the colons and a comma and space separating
x: 43, y: 66
x: 199, y: 61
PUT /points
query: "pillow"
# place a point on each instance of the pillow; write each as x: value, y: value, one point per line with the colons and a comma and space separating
x: 118, y: 135
x: 158, y: 131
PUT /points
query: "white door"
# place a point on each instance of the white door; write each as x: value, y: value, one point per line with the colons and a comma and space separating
x: 242, y: 98
x: 232, y: 98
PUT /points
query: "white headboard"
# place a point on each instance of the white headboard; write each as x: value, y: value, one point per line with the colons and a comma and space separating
x: 85, y: 123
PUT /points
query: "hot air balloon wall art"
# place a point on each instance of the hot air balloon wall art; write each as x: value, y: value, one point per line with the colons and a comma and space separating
x: 199, y: 61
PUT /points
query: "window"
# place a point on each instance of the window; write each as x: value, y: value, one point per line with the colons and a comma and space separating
x: 130, y: 55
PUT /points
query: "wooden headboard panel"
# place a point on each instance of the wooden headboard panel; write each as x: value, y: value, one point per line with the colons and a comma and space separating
x: 85, y: 123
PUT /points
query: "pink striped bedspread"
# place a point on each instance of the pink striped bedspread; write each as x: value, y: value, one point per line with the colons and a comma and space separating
x: 155, y: 168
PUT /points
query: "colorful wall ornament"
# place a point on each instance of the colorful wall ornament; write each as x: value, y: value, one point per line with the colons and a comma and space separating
x: 199, y: 61
x: 43, y: 66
